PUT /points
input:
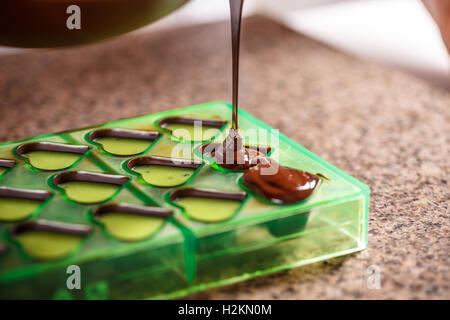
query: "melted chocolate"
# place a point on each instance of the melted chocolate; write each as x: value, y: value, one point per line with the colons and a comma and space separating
x: 39, y: 195
x: 50, y: 146
x: 169, y: 162
x: 123, y: 133
x: 233, y: 155
x: 133, y: 209
x: 6, y: 163
x: 205, y: 193
x: 286, y: 186
x: 89, y: 177
x: 49, y: 226
x: 236, y: 19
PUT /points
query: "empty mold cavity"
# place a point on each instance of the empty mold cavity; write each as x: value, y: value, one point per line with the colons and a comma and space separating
x: 122, y: 142
x: 163, y: 172
x: 5, y: 165
x: 208, y: 205
x: 89, y: 187
x: 45, y: 240
x: 192, y: 129
x: 51, y: 156
x: 19, y: 204
x: 130, y: 223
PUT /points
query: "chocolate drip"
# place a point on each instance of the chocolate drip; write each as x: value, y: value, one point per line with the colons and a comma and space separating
x: 285, y: 186
x: 236, y: 19
x: 39, y: 195
x: 51, y: 146
x: 133, y: 209
x: 50, y: 226
x: 89, y: 177
x: 6, y: 163
x: 169, y: 162
x: 124, y: 133
x: 205, y: 193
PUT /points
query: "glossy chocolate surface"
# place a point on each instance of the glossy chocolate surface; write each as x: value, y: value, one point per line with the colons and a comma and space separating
x: 286, y: 186
x: 133, y: 209
x: 207, y: 193
x: 39, y: 195
x: 6, y: 163
x: 50, y: 146
x: 125, y: 134
x: 160, y: 161
x: 50, y: 226
x: 84, y: 176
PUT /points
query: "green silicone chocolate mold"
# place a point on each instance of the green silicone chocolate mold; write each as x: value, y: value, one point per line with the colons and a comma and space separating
x: 50, y: 156
x: 192, y: 128
x: 88, y: 187
x: 163, y: 172
x: 44, y: 240
x: 145, y: 214
x: 6, y: 165
x: 131, y: 223
x: 20, y: 204
x: 123, y: 142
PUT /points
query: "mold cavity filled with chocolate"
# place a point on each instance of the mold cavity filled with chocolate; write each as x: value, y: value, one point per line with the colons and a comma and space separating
x: 19, y: 204
x: 232, y: 154
x: 122, y: 142
x: 5, y: 165
x: 279, y: 184
x: 51, y: 156
x: 164, y: 172
x: 208, y: 205
x: 192, y: 129
x: 128, y: 222
x: 45, y: 240
x: 89, y: 187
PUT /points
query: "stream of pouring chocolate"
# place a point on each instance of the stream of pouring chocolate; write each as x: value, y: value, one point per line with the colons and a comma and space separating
x: 282, y: 185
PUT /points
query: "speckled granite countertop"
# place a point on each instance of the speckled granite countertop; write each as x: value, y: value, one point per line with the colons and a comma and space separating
x: 385, y: 128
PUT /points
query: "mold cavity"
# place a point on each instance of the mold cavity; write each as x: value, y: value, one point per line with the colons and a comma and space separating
x: 45, y: 240
x: 89, y: 187
x: 192, y: 129
x: 208, y: 205
x: 19, y: 204
x: 239, y: 161
x: 51, y: 156
x: 123, y: 142
x: 131, y: 222
x: 5, y: 165
x: 164, y: 172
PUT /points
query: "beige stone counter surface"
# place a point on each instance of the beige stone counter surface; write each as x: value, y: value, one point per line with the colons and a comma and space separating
x: 387, y: 129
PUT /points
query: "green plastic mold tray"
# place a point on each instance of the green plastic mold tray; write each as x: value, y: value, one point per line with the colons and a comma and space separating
x: 101, y: 199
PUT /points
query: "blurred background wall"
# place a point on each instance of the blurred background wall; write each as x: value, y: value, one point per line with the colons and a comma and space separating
x: 398, y: 33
